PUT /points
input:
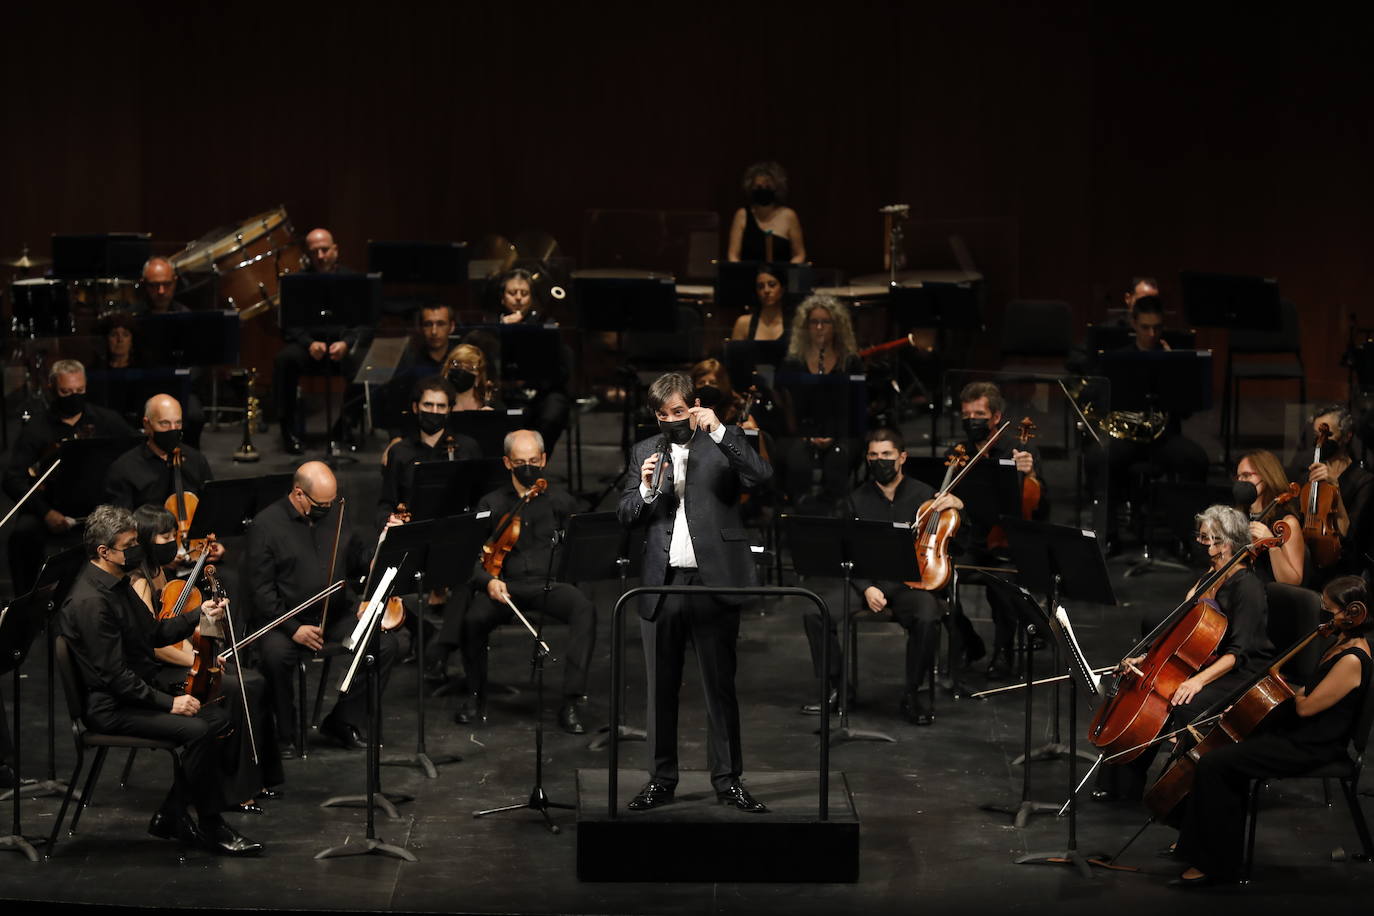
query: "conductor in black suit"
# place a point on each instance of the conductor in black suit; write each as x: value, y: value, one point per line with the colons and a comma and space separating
x: 695, y: 537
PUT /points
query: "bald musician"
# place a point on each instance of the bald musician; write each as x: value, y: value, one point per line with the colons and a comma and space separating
x: 323, y: 252
x: 159, y: 288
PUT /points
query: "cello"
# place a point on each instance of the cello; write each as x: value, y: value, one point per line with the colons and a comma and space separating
x: 1248, y: 713
x: 1320, y: 526
x: 507, y: 532
x: 932, y: 531
x: 1138, y: 697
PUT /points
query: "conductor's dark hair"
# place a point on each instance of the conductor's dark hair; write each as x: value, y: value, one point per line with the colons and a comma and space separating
x: 886, y: 434
x: 667, y: 385
x: 434, y: 383
x: 1148, y: 305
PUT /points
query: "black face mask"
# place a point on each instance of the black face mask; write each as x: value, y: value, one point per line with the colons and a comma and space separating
x: 1330, y: 449
x: 68, y: 405
x: 462, y: 380
x: 167, y: 439
x: 527, y: 474
x: 763, y: 196
x: 1243, y: 494
x: 709, y: 396
x: 316, y: 512
x: 163, y: 554
x: 678, y: 432
x: 883, y: 470
x: 977, y: 428
x: 431, y: 423
x: 1200, y: 555
x: 133, y: 557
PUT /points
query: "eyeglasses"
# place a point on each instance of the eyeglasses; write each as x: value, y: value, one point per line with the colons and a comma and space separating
x: 1208, y: 540
x: 819, y: 322
x: 315, y: 502
x: 524, y: 464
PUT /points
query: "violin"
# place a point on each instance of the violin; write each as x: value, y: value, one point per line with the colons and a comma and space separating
x: 1138, y: 698
x: 507, y: 532
x: 1320, y: 529
x: 1282, y: 499
x: 394, y: 614
x: 182, y: 504
x: 181, y: 595
x: 205, y: 677
x: 1248, y: 713
x: 1030, y: 489
x: 932, y: 530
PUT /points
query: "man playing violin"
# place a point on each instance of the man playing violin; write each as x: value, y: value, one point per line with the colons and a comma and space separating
x: 49, y: 518
x: 1314, y: 729
x: 1244, y: 650
x: 294, y: 546
x: 526, y: 568
x: 1355, y: 486
x: 112, y: 638
x: 891, y: 496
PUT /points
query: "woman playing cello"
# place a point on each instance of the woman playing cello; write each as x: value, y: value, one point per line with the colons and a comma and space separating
x: 1313, y: 730
x: 1243, y: 651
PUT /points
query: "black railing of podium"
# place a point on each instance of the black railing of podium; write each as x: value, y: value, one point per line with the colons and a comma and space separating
x: 618, y: 672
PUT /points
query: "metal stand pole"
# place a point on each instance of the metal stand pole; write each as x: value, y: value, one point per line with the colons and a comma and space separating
x: 421, y: 758
x: 845, y: 732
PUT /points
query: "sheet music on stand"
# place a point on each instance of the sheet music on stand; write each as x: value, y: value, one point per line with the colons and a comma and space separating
x: 1082, y: 670
x: 365, y: 623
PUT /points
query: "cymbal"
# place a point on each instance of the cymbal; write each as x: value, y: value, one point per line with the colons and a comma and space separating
x: 492, y: 255
x: 24, y: 262
x: 536, y: 246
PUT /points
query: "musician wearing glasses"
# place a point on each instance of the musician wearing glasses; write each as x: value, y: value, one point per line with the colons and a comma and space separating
x: 292, y: 552
x: 1259, y: 482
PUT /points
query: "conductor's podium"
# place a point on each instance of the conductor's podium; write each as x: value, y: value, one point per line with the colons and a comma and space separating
x: 695, y: 838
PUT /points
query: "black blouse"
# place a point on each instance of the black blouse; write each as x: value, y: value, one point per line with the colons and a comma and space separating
x: 1246, y: 606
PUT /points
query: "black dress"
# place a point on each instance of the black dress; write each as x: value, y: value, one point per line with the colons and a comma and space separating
x: 1214, y: 822
x: 753, y: 245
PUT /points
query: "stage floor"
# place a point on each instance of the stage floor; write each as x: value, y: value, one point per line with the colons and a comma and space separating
x: 926, y: 844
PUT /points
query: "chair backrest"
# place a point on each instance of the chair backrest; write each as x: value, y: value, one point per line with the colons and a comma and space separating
x: 1037, y: 327
x: 1287, y: 339
x: 71, y: 679
x: 1293, y: 613
x: 1364, y: 721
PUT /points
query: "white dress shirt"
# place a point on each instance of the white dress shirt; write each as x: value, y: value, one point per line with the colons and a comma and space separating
x: 680, y: 552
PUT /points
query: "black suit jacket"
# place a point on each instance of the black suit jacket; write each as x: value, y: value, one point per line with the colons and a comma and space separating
x: 716, y: 476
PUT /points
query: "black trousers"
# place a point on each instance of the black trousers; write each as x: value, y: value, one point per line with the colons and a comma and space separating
x: 30, y: 544
x: 918, y: 612
x: 566, y: 603
x: 1213, y: 826
x: 291, y: 363
x: 1005, y: 620
x: 713, y: 629
x: 278, y: 655
x: 197, y: 735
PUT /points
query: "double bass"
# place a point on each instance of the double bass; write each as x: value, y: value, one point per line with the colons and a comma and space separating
x: 1139, y: 697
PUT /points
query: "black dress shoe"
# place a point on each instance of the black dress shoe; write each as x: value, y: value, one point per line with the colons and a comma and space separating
x: 227, y: 841
x: 249, y: 808
x: 436, y: 671
x: 568, y: 720
x: 1168, y: 852
x: 652, y: 795
x: 916, y: 711
x: 1199, y: 881
x: 472, y: 712
x: 1104, y: 795
x: 814, y: 709
x: 164, y: 826
x: 288, y: 752
x: 291, y: 443
x: 740, y: 798
x: 270, y: 794
x: 342, y: 733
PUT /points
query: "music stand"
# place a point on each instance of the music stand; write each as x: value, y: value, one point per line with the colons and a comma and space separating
x: 445, y: 488
x: 488, y: 427
x: 825, y: 405
x: 417, y: 549
x: 1063, y: 562
x: 597, y: 547
x: 100, y: 255
x: 735, y: 281
x: 19, y: 626
x: 1232, y: 302
x: 845, y: 548
x: 228, y: 506
x: 330, y: 301
x: 81, y: 477
x: 429, y: 263
x: 191, y: 339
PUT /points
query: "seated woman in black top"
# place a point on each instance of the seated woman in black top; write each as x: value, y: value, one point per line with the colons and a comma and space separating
x: 1336, y: 464
x: 1315, y: 729
x: 822, y: 339
x: 766, y: 218
x: 765, y: 321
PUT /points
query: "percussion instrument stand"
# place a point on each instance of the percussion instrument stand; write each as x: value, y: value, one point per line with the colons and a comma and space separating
x: 374, y: 798
x: 421, y: 758
x: 623, y: 732
x: 539, y: 799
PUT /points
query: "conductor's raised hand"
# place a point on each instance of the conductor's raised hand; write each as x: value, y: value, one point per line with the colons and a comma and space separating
x: 703, y: 418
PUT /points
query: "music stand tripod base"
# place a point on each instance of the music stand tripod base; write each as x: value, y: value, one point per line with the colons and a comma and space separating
x: 623, y: 733
x: 367, y: 847
x: 40, y: 788
x: 1077, y: 859
x: 386, y: 801
x: 1021, y: 813
x: 1053, y: 751
x: 423, y: 761
x: 538, y: 801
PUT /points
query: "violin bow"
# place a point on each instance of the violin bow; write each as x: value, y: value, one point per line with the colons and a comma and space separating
x: 333, y: 556
x: 33, y: 489
x: 218, y: 591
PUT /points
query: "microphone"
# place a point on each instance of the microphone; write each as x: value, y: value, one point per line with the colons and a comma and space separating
x: 664, y: 453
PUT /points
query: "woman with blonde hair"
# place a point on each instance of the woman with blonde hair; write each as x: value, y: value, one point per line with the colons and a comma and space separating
x: 465, y: 367
x: 822, y: 339
x: 1262, y: 471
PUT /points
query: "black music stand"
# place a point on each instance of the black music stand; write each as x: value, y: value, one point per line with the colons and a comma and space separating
x: 488, y: 427
x: 825, y: 405
x: 330, y: 300
x: 1236, y: 303
x: 1063, y: 562
x: 424, y: 551
x: 191, y: 339
x: 19, y: 626
x: 597, y: 547
x: 735, y: 281
x: 100, y: 255
x: 429, y: 263
x: 365, y: 653
x: 81, y: 476
x: 845, y: 548
x: 228, y: 506
x: 445, y: 488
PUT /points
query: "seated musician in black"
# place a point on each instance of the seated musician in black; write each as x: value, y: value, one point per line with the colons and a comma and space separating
x: 1313, y: 730
x: 50, y: 518
x: 891, y: 496
x: 1355, y: 519
x: 766, y: 320
x: 1244, y: 650
x: 981, y: 408
x: 545, y: 400
x: 291, y: 549
x: 159, y: 288
x: 249, y: 761
x: 145, y: 473
x: 424, y: 356
x: 765, y: 184
x: 317, y: 349
x: 1179, y: 457
x: 522, y: 581
x: 433, y: 399
x: 112, y: 638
